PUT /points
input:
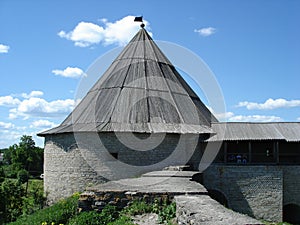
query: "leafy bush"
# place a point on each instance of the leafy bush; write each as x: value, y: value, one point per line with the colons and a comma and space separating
x: 86, y: 218
x: 122, y: 220
x: 10, y: 171
x: 2, y: 175
x: 138, y: 208
x: 107, y: 215
x: 35, y: 198
x: 167, y: 212
x: 11, y: 193
x: 59, y: 213
x: 65, y: 212
x: 23, y: 176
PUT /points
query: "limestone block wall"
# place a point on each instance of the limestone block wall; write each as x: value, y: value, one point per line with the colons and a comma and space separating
x: 253, y: 190
x: 65, y: 170
x: 73, y: 162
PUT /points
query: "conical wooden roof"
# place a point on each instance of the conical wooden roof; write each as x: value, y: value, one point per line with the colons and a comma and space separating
x: 140, y: 92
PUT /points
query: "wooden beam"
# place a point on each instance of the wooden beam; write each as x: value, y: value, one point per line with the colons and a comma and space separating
x: 225, y: 152
x: 250, y: 151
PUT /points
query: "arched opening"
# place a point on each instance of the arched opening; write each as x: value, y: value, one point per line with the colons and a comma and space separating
x: 291, y: 213
x: 218, y: 196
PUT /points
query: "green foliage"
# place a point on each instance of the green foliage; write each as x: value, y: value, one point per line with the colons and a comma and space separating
x: 24, y: 155
x: 65, y: 212
x: 167, y: 212
x: 7, y: 158
x: 2, y: 175
x: 138, y: 208
x: 10, y: 171
x: 35, y: 198
x: 23, y: 176
x: 107, y: 215
x: 11, y: 193
x: 18, y: 159
x: 86, y: 218
x: 122, y: 220
x: 59, y: 213
x: 280, y: 223
x: 15, y: 202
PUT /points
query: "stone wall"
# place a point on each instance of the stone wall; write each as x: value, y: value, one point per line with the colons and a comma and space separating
x: 73, y: 162
x: 65, y: 170
x: 291, y: 184
x: 96, y: 201
x: 253, y: 190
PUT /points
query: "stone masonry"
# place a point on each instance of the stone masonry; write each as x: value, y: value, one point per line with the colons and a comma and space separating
x: 73, y: 162
x: 253, y: 190
x: 193, y: 205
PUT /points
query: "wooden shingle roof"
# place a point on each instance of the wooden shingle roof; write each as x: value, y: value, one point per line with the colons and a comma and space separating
x: 140, y: 92
x: 238, y: 131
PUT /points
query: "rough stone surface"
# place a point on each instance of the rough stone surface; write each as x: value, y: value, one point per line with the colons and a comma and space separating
x: 159, y: 181
x: 159, y: 185
x: 146, y: 219
x: 253, y: 190
x: 204, y: 210
x: 194, y: 206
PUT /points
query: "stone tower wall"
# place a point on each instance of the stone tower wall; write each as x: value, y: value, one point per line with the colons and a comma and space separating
x: 74, y: 162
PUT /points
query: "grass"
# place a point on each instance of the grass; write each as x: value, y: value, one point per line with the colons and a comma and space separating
x: 280, y: 223
x: 65, y: 213
x: 59, y: 213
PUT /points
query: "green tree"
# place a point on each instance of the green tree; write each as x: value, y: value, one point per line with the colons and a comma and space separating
x: 2, y: 175
x: 24, y: 152
x: 25, y: 155
x: 7, y: 154
x: 23, y: 176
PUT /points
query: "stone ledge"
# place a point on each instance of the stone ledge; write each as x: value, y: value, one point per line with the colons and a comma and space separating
x: 159, y: 185
x: 204, y: 210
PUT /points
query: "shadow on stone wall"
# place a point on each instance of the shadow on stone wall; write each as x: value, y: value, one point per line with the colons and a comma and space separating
x: 291, y: 213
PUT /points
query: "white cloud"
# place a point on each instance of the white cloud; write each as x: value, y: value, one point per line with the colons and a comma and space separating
x: 298, y: 118
x: 9, y: 101
x: 38, y: 107
x: 72, y: 72
x: 84, y: 34
x: 270, y: 104
x: 223, y: 116
x: 4, y: 125
x: 231, y: 117
x: 4, y: 48
x: 206, y: 31
x: 119, y: 32
x: 32, y: 94
x: 254, y: 118
x: 9, y: 137
x: 42, y: 124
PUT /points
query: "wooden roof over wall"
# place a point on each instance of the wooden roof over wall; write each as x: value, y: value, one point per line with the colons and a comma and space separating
x: 238, y: 131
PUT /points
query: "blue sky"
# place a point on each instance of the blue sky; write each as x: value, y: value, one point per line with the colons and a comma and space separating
x: 252, y: 46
